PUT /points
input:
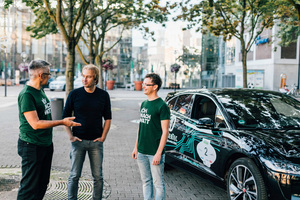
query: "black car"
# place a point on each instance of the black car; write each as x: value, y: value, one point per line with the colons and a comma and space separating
x: 23, y: 81
x: 248, y: 138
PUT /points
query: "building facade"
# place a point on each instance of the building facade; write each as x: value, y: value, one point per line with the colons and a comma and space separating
x: 267, y: 63
x: 18, y: 48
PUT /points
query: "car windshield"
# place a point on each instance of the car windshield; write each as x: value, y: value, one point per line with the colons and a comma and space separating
x: 261, y: 110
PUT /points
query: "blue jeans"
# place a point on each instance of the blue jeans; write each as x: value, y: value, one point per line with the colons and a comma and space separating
x: 77, y: 155
x: 152, y: 175
x: 36, y: 167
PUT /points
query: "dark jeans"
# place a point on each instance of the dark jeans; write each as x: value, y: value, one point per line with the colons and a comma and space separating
x: 36, y: 167
x: 77, y: 155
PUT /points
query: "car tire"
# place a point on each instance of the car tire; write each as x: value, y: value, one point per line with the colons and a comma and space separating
x: 243, y: 179
x: 64, y: 88
x: 51, y: 89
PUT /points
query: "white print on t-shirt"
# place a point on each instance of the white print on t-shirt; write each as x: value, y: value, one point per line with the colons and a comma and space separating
x: 145, y: 118
x: 47, y: 106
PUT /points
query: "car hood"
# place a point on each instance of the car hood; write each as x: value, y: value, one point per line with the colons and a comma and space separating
x: 285, y: 142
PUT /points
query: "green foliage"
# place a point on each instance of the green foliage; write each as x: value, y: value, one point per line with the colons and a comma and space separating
x: 230, y: 18
x: 190, y: 58
x: 43, y: 25
x: 121, y: 14
x: 94, y: 17
x: 288, y: 13
x: 287, y: 34
x: 7, y: 3
x: 227, y: 18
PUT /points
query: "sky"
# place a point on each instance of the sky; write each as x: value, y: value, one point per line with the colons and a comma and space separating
x: 138, y: 39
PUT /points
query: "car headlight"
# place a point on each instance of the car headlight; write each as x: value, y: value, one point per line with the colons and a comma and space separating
x: 281, y: 166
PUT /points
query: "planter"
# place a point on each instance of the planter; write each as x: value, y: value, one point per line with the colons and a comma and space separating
x: 110, y: 85
x: 138, y: 85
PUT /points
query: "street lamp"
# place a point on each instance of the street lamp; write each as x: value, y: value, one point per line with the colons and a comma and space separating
x: 24, y: 57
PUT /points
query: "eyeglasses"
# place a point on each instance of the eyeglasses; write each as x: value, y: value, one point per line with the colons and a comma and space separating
x: 144, y: 84
x: 46, y: 74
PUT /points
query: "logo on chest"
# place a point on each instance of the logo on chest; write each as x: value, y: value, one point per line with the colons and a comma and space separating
x: 145, y: 117
x: 47, y: 106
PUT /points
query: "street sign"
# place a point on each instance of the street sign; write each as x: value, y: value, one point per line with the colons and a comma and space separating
x: 23, y: 67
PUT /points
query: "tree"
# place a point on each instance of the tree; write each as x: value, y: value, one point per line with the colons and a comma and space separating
x: 66, y: 17
x: 70, y: 17
x: 296, y: 6
x: 230, y: 18
x: 288, y: 13
x: 190, y: 57
x: 116, y: 16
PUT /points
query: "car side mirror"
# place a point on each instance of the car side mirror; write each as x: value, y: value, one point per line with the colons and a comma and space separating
x: 205, y: 122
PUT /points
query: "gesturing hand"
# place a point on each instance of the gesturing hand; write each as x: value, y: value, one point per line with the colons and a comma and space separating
x: 68, y: 121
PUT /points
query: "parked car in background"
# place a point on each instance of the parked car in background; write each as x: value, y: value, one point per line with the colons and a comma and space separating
x: 49, y: 81
x: 58, y: 84
x: 23, y: 81
x: 248, y: 138
x: 78, y: 82
x: 9, y: 82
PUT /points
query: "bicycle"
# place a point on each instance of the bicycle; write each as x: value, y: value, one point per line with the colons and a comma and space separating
x: 293, y: 91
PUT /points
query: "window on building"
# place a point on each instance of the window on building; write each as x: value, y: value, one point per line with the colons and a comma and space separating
x: 230, y: 52
x: 289, y: 52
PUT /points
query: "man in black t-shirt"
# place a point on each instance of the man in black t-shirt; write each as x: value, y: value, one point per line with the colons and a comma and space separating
x: 90, y: 106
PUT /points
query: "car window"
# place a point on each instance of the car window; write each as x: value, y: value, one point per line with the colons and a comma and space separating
x: 219, y: 120
x: 171, y: 103
x: 203, y: 107
x: 183, y: 104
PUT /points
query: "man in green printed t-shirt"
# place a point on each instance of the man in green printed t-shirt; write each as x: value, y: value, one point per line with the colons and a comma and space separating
x: 35, y: 139
x: 151, y: 139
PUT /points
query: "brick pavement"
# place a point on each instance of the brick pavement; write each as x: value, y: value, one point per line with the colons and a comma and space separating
x: 120, y: 170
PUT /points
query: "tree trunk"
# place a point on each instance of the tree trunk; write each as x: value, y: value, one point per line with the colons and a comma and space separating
x: 244, y: 61
x: 92, y: 36
x: 70, y: 67
x: 98, y: 61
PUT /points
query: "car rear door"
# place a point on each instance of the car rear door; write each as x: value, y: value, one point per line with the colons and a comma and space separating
x: 180, y: 108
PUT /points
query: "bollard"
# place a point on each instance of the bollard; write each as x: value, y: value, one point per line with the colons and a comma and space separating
x: 57, y: 105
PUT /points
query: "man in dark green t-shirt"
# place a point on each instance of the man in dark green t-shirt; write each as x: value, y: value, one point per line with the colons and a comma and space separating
x: 35, y: 139
x: 151, y: 139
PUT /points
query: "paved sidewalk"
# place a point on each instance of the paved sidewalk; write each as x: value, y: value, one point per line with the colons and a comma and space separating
x: 121, y: 174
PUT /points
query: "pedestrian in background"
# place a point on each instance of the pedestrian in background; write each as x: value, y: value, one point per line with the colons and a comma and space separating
x: 35, y: 139
x: 151, y: 139
x: 90, y: 106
